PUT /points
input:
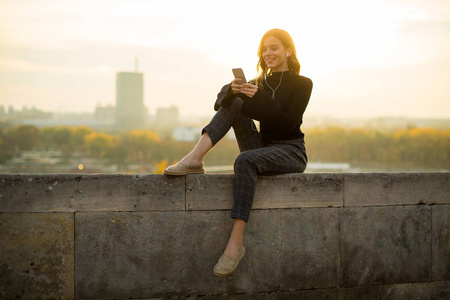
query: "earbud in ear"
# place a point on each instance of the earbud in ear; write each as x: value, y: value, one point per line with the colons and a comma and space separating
x: 287, y: 54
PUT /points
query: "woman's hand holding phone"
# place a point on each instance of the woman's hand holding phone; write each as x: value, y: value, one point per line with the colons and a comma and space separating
x: 238, y: 85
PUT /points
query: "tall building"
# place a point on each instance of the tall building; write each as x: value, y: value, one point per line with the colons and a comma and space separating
x: 130, y: 110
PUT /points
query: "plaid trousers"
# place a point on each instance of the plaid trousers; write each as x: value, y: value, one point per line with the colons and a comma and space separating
x: 256, y: 157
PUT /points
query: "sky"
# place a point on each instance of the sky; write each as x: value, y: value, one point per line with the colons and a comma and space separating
x: 366, y: 58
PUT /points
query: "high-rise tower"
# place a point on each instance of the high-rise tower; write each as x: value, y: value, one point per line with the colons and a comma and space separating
x: 130, y: 110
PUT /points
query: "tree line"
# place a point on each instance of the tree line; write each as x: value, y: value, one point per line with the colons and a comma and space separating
x: 413, y: 147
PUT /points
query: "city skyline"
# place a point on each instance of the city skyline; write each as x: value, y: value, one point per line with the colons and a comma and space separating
x: 366, y: 59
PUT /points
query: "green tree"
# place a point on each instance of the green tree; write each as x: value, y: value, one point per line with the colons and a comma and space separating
x: 23, y: 137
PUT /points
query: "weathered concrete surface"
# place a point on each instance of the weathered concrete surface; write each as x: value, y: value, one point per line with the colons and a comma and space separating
x: 406, y: 291
x: 147, y: 254
x: 36, y: 256
x: 310, y: 248
x: 70, y: 193
x: 155, y: 236
x: 287, y: 250
x: 374, y: 189
x: 159, y: 254
x: 215, y: 192
x: 381, y: 245
x: 429, y: 290
x: 441, y: 242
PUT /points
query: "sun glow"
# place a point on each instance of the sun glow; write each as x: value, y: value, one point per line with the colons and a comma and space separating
x: 75, y: 49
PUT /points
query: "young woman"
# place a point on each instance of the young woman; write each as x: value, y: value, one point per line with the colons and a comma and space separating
x: 277, y: 98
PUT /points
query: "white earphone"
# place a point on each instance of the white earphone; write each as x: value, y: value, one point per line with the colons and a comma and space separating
x: 287, y: 54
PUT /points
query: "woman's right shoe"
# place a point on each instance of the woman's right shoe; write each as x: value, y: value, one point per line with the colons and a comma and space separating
x: 226, y: 265
x: 179, y: 169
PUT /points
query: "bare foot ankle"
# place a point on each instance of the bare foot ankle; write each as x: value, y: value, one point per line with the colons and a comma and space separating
x: 189, y: 161
x: 232, y: 250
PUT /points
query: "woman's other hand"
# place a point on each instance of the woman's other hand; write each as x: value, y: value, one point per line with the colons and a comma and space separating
x: 249, y: 89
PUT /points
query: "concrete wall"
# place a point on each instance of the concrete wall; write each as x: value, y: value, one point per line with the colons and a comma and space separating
x: 310, y: 236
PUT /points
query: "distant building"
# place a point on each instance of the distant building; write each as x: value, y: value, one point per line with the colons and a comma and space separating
x: 26, y: 115
x: 187, y: 134
x: 105, y: 112
x: 167, y: 116
x: 130, y: 110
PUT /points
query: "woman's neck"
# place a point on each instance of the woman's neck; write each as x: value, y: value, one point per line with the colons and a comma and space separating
x: 283, y: 69
x: 279, y: 72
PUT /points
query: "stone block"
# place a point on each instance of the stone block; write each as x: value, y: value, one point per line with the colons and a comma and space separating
x: 396, y: 189
x: 211, y: 192
x: 260, y: 269
x: 382, y: 245
x: 370, y: 292
x: 322, y: 294
x: 310, y: 248
x: 362, y: 292
x: 299, y: 190
x: 158, y: 254
x: 441, y: 242
x: 418, y: 290
x: 36, y: 256
x: 251, y: 296
x: 148, y: 254
x: 288, y: 250
x: 72, y: 192
x: 282, y: 191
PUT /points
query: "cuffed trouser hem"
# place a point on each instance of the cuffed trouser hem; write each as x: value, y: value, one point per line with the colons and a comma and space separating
x: 244, y: 218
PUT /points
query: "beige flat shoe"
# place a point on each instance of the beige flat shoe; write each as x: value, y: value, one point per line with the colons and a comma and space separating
x: 226, y: 265
x: 179, y: 169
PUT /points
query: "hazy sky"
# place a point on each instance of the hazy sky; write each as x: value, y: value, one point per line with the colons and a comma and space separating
x: 366, y: 58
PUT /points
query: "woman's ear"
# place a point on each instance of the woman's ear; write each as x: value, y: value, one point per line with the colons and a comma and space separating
x: 288, y: 53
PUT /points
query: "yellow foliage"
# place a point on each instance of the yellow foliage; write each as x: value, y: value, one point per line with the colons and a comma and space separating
x: 160, y: 166
x: 99, y: 143
x: 145, y: 135
x: 100, y: 137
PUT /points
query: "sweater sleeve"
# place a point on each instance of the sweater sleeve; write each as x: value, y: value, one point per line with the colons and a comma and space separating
x: 294, y: 114
x: 263, y: 108
x: 221, y: 97
x: 225, y: 97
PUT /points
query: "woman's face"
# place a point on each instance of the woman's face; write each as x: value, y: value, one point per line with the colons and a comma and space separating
x: 274, y: 54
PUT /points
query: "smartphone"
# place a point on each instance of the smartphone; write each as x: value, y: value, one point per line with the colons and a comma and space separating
x: 238, y: 73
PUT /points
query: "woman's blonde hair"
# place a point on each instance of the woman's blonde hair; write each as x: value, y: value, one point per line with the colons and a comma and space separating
x: 288, y: 43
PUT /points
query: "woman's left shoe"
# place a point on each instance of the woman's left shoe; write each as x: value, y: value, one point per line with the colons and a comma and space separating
x: 180, y: 169
x: 226, y: 265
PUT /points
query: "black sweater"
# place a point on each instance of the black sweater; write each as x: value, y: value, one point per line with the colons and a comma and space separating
x: 280, y: 119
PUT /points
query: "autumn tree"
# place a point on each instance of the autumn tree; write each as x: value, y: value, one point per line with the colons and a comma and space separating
x: 99, y: 144
x: 23, y: 137
x: 141, y: 144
